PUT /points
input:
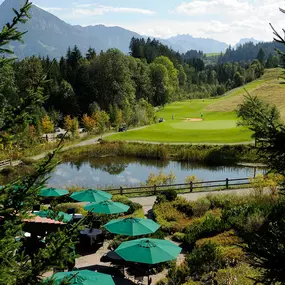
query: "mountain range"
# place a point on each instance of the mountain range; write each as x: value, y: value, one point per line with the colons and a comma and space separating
x: 49, y: 35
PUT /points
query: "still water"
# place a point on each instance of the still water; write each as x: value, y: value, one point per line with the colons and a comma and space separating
x: 125, y: 171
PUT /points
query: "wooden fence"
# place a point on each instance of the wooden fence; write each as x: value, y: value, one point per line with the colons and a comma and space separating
x: 182, y: 188
x: 4, y: 163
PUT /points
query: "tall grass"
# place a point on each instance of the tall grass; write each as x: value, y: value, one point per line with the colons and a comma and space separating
x: 214, y: 155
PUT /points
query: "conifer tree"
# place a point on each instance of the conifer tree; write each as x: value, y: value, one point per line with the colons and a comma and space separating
x: 19, y: 197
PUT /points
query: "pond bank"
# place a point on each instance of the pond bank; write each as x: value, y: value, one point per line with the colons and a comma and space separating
x: 208, y: 154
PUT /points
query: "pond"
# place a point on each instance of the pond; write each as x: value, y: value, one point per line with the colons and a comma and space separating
x: 125, y: 171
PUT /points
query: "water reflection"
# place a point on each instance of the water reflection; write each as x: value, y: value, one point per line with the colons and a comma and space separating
x: 126, y: 171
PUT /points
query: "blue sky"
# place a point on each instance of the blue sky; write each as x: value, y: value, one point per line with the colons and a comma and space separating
x: 224, y: 20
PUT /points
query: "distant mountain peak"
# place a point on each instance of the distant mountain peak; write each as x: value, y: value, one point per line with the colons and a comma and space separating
x: 247, y: 40
x: 207, y: 45
x: 49, y: 35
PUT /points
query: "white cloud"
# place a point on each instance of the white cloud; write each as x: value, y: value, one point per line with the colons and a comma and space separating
x: 222, y: 7
x: 85, y: 9
x: 224, y: 20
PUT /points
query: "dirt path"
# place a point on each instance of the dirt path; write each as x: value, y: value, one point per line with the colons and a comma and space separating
x: 82, y: 143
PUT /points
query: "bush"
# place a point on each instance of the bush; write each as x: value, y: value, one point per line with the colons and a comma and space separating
x: 225, y: 201
x: 65, y: 206
x: 254, y: 222
x: 242, y: 274
x: 247, y: 218
x: 228, y: 238
x: 168, y: 217
x: 207, y: 227
x: 205, y: 259
x: 160, y: 179
x: 160, y: 199
x: 184, y: 206
x: 200, y: 207
x: 133, y: 206
x: 159, y: 234
x: 233, y: 255
x: 179, y: 237
x: 114, y: 244
x: 170, y: 195
x: 177, y: 274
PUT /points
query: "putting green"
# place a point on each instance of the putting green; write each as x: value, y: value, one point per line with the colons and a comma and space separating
x: 205, y: 125
x: 219, y: 124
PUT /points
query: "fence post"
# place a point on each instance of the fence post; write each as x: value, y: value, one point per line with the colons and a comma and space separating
x: 191, y: 186
x: 227, y: 183
x: 154, y: 189
x: 121, y: 190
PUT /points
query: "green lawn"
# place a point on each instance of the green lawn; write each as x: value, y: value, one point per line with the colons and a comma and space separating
x: 217, y: 127
x: 220, y: 121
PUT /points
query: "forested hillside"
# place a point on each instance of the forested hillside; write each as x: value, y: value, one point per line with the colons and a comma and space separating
x: 113, y: 88
x: 250, y: 51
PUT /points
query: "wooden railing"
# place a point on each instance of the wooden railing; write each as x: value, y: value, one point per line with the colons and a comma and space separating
x: 4, y: 163
x: 182, y: 188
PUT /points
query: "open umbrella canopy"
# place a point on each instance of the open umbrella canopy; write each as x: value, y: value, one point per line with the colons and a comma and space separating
x: 82, y: 277
x: 132, y: 226
x: 60, y: 216
x: 53, y: 192
x: 149, y: 251
x: 92, y: 196
x: 107, y: 207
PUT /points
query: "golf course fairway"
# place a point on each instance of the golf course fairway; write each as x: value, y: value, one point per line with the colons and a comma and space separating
x: 183, y: 122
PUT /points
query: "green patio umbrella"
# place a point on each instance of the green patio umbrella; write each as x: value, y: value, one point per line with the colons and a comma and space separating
x: 53, y: 192
x: 149, y: 251
x: 92, y: 196
x: 82, y: 277
x: 61, y: 216
x: 107, y: 207
x: 132, y: 226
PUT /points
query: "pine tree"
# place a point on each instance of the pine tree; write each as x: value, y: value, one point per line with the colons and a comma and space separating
x: 261, y: 56
x: 16, y: 202
x: 266, y: 247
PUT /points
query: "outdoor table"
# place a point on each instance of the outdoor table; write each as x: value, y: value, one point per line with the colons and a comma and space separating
x: 92, y: 234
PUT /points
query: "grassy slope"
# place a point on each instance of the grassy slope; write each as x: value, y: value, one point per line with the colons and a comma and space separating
x: 219, y: 125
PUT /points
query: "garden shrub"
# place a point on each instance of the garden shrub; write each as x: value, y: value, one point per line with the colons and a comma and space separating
x: 242, y: 274
x: 170, y: 195
x: 254, y: 222
x: 65, y: 206
x: 247, y: 218
x: 159, y: 234
x: 184, y: 206
x: 114, y: 244
x: 168, y: 217
x: 179, y: 237
x: 133, y: 206
x: 178, y: 274
x: 160, y: 179
x: 207, y: 227
x: 227, y: 200
x: 160, y: 199
x: 228, y: 238
x: 200, y: 207
x: 205, y: 259
x: 233, y: 255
